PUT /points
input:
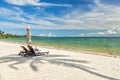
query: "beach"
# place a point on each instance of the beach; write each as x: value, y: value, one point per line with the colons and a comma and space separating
x: 57, y: 65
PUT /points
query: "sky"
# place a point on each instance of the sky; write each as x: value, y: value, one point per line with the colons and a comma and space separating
x: 102, y: 17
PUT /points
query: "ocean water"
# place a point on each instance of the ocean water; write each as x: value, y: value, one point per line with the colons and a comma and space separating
x: 109, y: 45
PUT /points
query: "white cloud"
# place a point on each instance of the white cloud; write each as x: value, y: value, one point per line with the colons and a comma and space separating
x: 114, y: 31
x: 50, y: 34
x: 34, y: 3
x: 102, y: 16
x: 15, y: 16
x: 12, y: 24
x: 82, y: 35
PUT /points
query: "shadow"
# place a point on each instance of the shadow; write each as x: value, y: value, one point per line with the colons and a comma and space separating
x: 56, y: 56
x: 73, y: 60
x: 61, y: 60
x: 15, y: 59
x: 33, y: 66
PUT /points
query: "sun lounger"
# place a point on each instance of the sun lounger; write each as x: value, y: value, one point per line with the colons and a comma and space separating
x: 25, y: 51
x: 37, y: 52
x: 31, y: 50
x: 41, y: 52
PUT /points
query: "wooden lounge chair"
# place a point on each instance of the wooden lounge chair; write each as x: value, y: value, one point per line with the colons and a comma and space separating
x: 25, y: 51
x: 32, y: 51
x: 37, y: 53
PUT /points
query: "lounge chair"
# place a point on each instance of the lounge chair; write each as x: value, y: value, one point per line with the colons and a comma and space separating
x: 37, y: 53
x: 31, y: 50
x: 25, y: 51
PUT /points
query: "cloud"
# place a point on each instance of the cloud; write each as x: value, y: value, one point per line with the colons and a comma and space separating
x: 82, y: 35
x: 16, y: 15
x: 34, y: 3
x: 101, y: 16
x: 111, y: 2
x: 12, y: 24
x: 50, y: 34
x: 114, y: 30
x: 111, y: 32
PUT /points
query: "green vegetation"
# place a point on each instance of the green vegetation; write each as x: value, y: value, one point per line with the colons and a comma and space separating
x: 6, y: 35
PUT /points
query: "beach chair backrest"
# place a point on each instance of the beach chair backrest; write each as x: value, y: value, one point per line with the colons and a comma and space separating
x: 31, y: 49
x: 24, y: 48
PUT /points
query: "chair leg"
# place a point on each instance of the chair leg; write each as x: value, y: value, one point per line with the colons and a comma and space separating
x: 21, y: 53
x: 47, y: 53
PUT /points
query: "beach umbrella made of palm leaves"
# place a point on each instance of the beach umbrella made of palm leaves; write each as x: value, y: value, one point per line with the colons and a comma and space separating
x: 28, y: 36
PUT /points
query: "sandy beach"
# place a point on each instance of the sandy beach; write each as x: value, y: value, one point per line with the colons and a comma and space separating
x: 58, y: 65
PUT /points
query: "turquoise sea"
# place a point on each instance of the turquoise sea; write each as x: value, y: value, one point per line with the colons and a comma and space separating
x: 110, y: 45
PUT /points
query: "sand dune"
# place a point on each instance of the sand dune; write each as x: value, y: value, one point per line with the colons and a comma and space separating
x: 58, y: 65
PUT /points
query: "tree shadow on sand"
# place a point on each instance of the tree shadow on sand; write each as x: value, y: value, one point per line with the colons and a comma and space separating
x: 62, y: 60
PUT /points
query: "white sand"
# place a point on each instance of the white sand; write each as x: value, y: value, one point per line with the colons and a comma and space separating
x: 58, y: 65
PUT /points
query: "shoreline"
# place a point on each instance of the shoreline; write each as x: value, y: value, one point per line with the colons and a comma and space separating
x: 85, y: 52
x: 81, y: 46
